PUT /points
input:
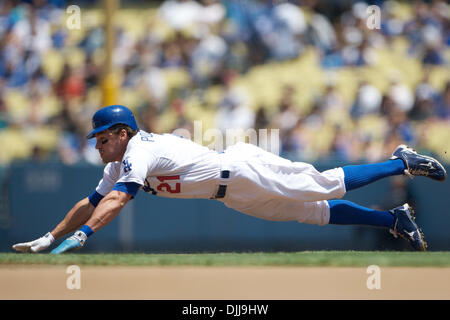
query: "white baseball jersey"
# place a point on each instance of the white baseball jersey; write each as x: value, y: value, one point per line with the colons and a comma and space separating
x: 165, y: 165
x: 259, y: 183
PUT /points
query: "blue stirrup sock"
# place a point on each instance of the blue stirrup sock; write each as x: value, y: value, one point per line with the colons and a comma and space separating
x: 345, y: 212
x: 356, y: 176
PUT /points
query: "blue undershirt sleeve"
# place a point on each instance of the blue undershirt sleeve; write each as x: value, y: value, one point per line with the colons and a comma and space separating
x: 127, y: 187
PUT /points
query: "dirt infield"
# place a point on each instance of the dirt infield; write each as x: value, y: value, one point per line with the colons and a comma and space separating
x: 222, y: 283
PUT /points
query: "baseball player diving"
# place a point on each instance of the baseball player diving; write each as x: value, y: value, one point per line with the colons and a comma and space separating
x: 244, y: 177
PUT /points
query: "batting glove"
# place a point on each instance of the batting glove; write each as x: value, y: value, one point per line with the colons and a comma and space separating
x: 36, y: 245
x: 75, y: 242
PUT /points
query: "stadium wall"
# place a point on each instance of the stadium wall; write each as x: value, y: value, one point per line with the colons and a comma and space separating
x: 34, y: 197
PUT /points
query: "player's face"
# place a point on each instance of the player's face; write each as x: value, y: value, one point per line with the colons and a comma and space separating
x: 111, y: 146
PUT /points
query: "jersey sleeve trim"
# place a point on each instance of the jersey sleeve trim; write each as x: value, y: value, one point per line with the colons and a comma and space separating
x: 127, y: 187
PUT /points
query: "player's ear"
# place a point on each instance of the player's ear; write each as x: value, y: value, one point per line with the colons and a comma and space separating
x: 123, y: 134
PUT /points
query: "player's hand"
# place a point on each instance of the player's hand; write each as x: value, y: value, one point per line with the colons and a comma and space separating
x: 36, y: 245
x: 75, y: 242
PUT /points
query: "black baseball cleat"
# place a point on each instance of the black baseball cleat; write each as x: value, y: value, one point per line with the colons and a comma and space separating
x: 405, y: 227
x: 419, y: 165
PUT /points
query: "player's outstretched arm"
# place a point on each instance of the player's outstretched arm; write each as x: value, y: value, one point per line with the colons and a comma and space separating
x: 107, y: 209
x: 75, y: 218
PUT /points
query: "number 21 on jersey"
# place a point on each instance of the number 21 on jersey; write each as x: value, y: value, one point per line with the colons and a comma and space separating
x: 165, y: 186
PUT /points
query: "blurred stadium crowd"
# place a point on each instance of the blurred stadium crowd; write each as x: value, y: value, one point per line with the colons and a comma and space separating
x: 335, y: 88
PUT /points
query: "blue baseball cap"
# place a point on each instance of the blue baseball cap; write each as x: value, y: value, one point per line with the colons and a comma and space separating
x: 108, y: 116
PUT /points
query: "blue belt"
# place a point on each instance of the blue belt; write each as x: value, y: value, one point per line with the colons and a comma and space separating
x: 222, y: 191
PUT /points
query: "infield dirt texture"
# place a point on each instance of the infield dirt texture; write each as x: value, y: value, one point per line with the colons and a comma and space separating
x: 227, y: 276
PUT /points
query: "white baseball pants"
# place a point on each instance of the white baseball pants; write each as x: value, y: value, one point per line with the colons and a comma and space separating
x: 264, y: 185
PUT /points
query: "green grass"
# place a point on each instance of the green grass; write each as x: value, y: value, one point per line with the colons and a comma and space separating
x: 304, y: 258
